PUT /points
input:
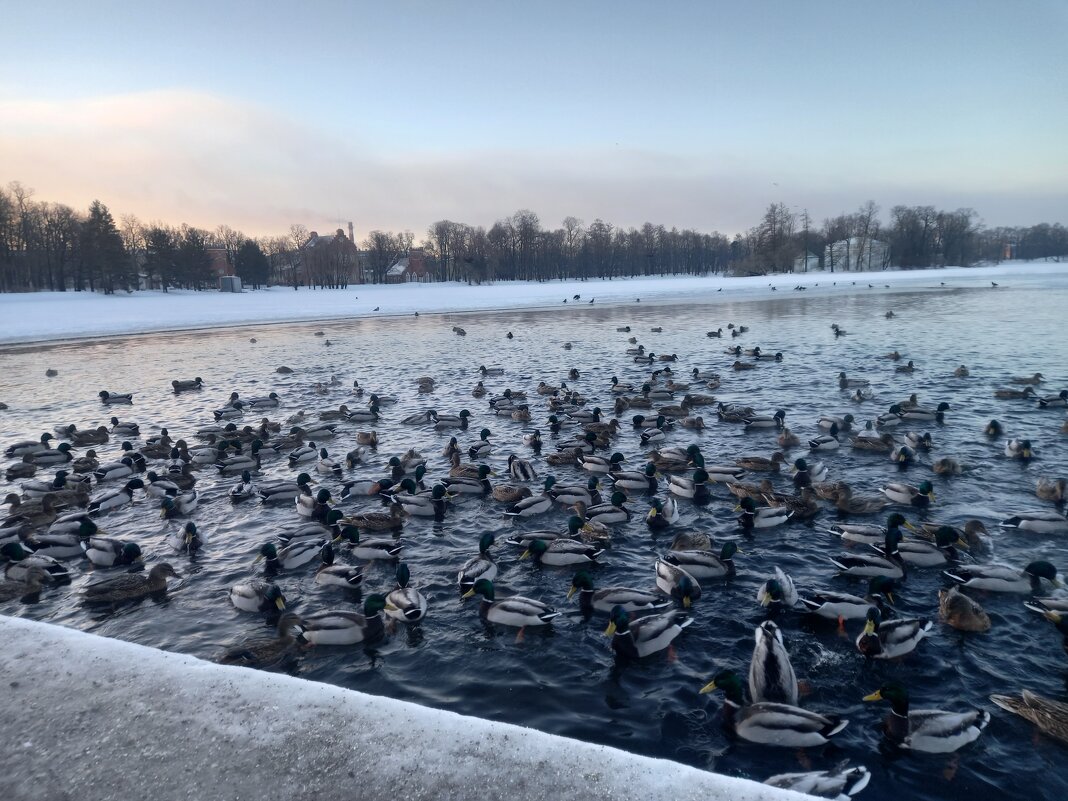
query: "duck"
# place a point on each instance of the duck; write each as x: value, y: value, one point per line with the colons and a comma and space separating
x: 521, y: 469
x: 1019, y: 449
x: 97, y: 436
x: 692, y: 541
x: 313, y: 506
x: 1052, y: 490
x: 662, y: 513
x: 843, y: 423
x: 477, y: 485
x: 370, y: 549
x: 703, y: 563
x: 606, y: 599
x: 880, y: 443
x: 292, y: 556
x: 531, y: 506
x: 28, y: 587
x: 285, y: 491
x: 130, y: 586
x: 825, y: 442
x: 634, y: 639
x: 959, y: 611
x: 378, y: 521
x: 29, y: 446
x: 1035, y: 379
x: 677, y: 582
x: 116, y: 498
x: 752, y: 517
x: 931, y: 731
x: 422, y: 504
x: 772, y: 723
x: 758, y: 421
x: 771, y: 675
x: 788, y: 439
x: 256, y: 595
x: 777, y: 593
x: 888, y: 564
x: 921, y: 497
x: 342, y: 627
x: 762, y: 463
x: 923, y: 553
x: 125, y: 429
x: 867, y: 533
x: 514, y: 611
x: 848, y: 503
x: 110, y: 398
x: 1051, y: 717
x: 1002, y: 578
x: 86, y: 463
x: 841, y: 606
x: 644, y: 481
x: 482, y: 448
x: 327, y: 466
x: 612, y: 512
x: 562, y: 552
x: 1054, y: 401
x: 695, y: 488
x: 405, y: 603
x: 844, y: 382
x: 840, y: 783
x: 241, y: 491
x: 570, y: 494
x: 182, y: 504
x: 891, y: 639
x: 330, y: 574
x: 971, y: 536
x: 261, y: 652
x: 481, y: 566
x: 61, y: 454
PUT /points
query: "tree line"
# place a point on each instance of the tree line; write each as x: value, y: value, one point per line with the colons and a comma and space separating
x: 51, y: 246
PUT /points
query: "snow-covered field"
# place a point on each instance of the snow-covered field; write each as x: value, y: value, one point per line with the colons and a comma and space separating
x: 45, y: 316
x: 93, y: 718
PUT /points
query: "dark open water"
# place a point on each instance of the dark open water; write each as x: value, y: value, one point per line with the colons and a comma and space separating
x: 564, y: 680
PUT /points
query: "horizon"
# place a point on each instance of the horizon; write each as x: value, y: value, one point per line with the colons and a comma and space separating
x: 698, y: 116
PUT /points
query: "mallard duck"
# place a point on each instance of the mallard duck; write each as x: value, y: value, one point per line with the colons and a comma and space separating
x: 182, y: 504
x: 327, y: 466
x: 889, y: 564
x: 510, y: 493
x: 695, y: 488
x: 1019, y: 449
x: 515, y: 611
x: 643, y: 481
x: 994, y: 429
x: 703, y: 563
x: 111, y: 398
x: 827, y: 422
x: 848, y: 503
x: 840, y: 783
x: 676, y: 459
x: 292, y: 556
x: 84, y: 464
x: 801, y: 507
x: 662, y: 513
x: 1002, y: 578
x: 1052, y: 490
x: 241, y: 491
x: 531, y: 506
x: 521, y: 469
x: 266, y: 653
x: 187, y: 385
x: 753, y: 517
x: 921, y: 414
x: 920, y: 497
x: 691, y: 541
x: 604, y: 600
x: 27, y: 587
x: 422, y: 504
x: 370, y: 549
x: 929, y: 730
x: 109, y: 552
x: 788, y: 439
x: 923, y: 553
x: 21, y: 561
x: 844, y: 382
x: 341, y: 627
x: 600, y: 464
x: 778, y: 592
x: 256, y: 595
x: 130, y: 586
x: 29, y: 446
x: 403, y: 602
x: 571, y: 494
x: 482, y: 448
x: 961, y: 612
x: 562, y: 552
x: 1034, y: 380
x: 775, y: 421
x: 867, y: 533
x: 880, y: 443
x: 825, y: 442
x: 890, y: 639
x: 480, y: 566
x: 762, y: 463
x: 843, y: 606
x: 948, y: 466
x: 97, y: 436
x: 476, y: 485
x: 286, y: 491
x: 961, y: 372
x: 1054, y: 401
x: 771, y: 675
x: 313, y: 505
x: 771, y: 723
x: 641, y: 638
x: 612, y: 512
x: 1051, y: 717
x: 677, y: 582
x: 61, y: 454
x: 972, y: 535
x: 187, y: 539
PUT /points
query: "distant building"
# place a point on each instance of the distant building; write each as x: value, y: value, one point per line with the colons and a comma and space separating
x: 334, y: 256
x: 808, y: 263
x: 219, y: 262
x: 412, y: 267
x: 856, y: 254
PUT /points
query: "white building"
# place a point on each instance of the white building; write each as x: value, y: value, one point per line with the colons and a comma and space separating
x: 856, y: 254
x: 807, y: 263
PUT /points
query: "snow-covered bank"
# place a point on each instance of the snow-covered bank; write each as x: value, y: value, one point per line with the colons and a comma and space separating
x: 45, y: 316
x: 94, y: 718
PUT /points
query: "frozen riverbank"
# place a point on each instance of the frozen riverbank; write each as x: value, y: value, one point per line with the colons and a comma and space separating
x: 96, y: 719
x: 45, y: 316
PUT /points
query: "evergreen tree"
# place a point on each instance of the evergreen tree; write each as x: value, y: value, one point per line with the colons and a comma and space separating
x: 251, y: 264
x: 104, y: 258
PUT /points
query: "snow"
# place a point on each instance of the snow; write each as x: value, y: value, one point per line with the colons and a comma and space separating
x: 46, y: 316
x: 98, y: 719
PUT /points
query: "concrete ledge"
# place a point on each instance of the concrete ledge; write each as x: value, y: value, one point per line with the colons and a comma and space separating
x: 88, y: 718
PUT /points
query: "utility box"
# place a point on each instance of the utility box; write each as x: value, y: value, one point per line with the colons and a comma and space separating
x: 229, y: 283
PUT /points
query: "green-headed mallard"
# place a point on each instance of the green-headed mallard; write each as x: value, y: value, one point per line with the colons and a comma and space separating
x: 404, y: 602
x: 256, y: 595
x: 292, y: 556
x: 704, y: 564
x: 677, y: 582
x: 600, y: 464
x: 695, y: 488
x: 929, y: 730
x: 609, y: 513
x: 370, y: 549
x: 1002, y: 578
x: 840, y: 783
x: 187, y: 540
x: 754, y: 517
x: 531, y: 506
x: 285, y: 491
x: 771, y: 675
x: 842, y: 606
x: 888, y: 564
x: 562, y: 552
x: 640, y: 638
x: 480, y: 566
x: 778, y: 592
x: 109, y: 552
x: 771, y: 723
x: 662, y: 514
x: 604, y: 600
x: 923, y: 553
x: 342, y: 627
x: 130, y: 586
x: 515, y: 611
x: 479, y: 484
x: 890, y: 639
x: 641, y: 481
x: 1043, y: 521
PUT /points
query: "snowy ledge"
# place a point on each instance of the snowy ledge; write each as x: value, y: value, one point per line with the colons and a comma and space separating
x: 49, y: 316
x: 89, y: 717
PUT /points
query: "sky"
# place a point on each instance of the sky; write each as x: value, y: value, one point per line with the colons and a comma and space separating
x: 395, y: 114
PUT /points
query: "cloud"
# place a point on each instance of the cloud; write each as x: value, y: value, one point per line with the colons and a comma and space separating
x: 190, y: 156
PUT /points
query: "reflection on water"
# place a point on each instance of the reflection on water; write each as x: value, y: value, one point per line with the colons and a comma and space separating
x: 564, y: 679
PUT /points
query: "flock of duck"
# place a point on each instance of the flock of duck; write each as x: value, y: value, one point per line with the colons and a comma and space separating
x: 602, y: 454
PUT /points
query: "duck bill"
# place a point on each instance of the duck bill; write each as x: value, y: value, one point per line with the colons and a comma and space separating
x: 257, y: 560
x: 571, y: 592
x: 710, y: 687
x: 469, y: 594
x: 738, y: 508
x: 390, y: 607
x: 765, y: 598
x: 280, y: 604
x: 909, y: 525
x: 651, y: 515
x: 869, y: 628
x: 1052, y: 616
x: 890, y: 597
x: 875, y: 696
x: 608, y: 632
x: 687, y: 602
x: 526, y: 554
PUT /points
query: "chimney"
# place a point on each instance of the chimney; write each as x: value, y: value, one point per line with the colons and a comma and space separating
x: 351, y: 237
